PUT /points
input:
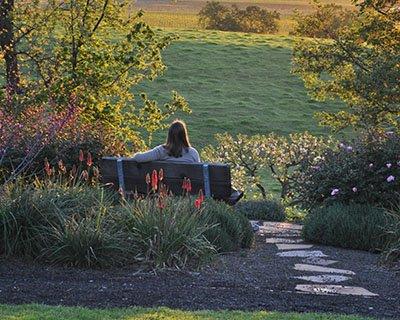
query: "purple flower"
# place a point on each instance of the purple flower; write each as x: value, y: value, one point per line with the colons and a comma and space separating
x: 349, y: 148
x: 390, y: 179
x: 398, y: 163
x: 388, y: 165
x: 370, y: 165
x: 341, y: 145
x: 334, y: 192
x: 354, y: 189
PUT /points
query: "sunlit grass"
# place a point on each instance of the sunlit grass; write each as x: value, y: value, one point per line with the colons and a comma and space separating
x: 40, y: 312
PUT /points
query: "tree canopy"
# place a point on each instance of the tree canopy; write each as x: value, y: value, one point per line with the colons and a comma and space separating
x: 361, y: 66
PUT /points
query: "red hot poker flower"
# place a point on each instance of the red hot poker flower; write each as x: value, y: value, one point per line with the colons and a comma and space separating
x: 184, y: 184
x: 81, y: 156
x: 89, y: 160
x: 161, y: 175
x: 154, y: 180
x: 47, y: 167
x: 148, y: 180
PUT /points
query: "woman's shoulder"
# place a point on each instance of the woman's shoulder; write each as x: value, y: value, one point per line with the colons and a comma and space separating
x: 192, y: 150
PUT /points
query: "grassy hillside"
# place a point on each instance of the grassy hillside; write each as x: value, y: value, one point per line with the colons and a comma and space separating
x: 236, y: 82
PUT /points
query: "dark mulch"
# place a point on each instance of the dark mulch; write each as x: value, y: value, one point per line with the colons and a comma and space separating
x: 250, y: 280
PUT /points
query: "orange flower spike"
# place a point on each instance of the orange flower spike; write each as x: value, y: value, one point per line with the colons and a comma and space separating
x: 197, y: 203
x: 81, y: 156
x: 89, y: 160
x: 184, y: 184
x: 47, y: 167
x: 61, y: 166
x: 161, y: 175
x: 148, y: 179
x: 201, y: 195
x: 154, y: 180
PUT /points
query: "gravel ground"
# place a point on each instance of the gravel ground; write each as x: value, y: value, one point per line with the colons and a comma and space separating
x: 249, y: 280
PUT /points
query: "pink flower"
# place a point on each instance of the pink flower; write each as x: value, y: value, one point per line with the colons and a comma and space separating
x: 349, y: 148
x: 335, y: 192
x: 370, y: 165
x: 390, y: 179
x: 388, y: 165
x: 354, y: 189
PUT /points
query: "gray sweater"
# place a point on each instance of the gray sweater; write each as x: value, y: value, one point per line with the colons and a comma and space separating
x: 160, y: 154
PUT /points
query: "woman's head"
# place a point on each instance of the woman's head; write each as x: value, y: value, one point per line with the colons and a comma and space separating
x: 178, y: 139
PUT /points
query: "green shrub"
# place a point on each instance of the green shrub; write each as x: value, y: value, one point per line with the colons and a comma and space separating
x: 325, y: 22
x: 352, y: 226
x: 56, y: 223
x: 392, y: 249
x: 253, y: 19
x: 230, y: 230
x: 169, y: 236
x: 268, y: 210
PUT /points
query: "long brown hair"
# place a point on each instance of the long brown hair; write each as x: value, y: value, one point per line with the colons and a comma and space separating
x: 177, y: 140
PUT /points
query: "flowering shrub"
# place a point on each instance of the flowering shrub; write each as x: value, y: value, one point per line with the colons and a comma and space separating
x: 364, y: 171
x: 250, y: 156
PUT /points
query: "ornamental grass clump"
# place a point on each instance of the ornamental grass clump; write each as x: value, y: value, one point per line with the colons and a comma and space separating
x: 353, y: 226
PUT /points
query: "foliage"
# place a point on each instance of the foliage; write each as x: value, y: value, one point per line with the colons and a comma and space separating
x: 392, y: 250
x: 168, y: 236
x: 325, y: 22
x: 361, y: 67
x: 95, y: 50
x: 283, y: 156
x: 252, y: 19
x: 353, y: 226
x: 229, y: 230
x: 268, y: 210
x: 366, y: 171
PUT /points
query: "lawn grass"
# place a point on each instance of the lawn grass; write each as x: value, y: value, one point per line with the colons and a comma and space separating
x: 39, y: 312
x: 236, y: 82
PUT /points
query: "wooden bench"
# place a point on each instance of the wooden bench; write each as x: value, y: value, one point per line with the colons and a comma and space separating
x: 130, y: 176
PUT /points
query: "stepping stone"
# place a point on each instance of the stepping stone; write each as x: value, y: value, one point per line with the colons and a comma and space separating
x: 324, y: 278
x: 334, y: 289
x: 282, y: 225
x: 282, y: 240
x: 283, y: 246
x: 313, y: 268
x: 322, y: 262
x: 302, y: 254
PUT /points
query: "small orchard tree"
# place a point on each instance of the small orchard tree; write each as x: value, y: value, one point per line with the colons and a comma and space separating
x: 325, y: 22
x: 96, y: 50
x: 251, y: 156
x: 361, y: 67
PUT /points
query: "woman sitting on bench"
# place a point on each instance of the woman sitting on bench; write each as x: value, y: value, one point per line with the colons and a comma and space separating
x: 178, y: 149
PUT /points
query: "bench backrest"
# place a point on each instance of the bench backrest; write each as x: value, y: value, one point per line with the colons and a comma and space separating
x: 129, y: 175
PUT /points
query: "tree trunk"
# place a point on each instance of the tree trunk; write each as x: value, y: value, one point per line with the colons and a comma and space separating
x: 7, y: 44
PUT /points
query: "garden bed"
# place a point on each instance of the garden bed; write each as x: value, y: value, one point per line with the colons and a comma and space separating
x: 248, y: 280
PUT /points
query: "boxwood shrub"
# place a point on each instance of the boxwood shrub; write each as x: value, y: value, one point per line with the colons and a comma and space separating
x: 268, y: 210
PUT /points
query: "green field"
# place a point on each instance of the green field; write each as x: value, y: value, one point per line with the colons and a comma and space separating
x: 236, y: 82
x: 37, y: 312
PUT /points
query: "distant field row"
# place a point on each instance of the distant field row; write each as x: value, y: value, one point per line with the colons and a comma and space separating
x: 285, y: 7
x: 181, y: 20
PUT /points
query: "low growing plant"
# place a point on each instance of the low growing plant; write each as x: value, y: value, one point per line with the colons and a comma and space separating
x: 268, y: 210
x: 353, y: 226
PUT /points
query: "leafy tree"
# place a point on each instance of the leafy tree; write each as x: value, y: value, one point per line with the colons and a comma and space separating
x: 361, y: 67
x: 251, y: 156
x: 96, y: 51
x: 325, y: 22
x: 253, y: 19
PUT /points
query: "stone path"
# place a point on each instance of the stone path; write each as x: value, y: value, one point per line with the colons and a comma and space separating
x: 317, y: 269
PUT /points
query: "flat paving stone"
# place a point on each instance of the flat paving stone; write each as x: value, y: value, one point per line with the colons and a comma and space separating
x: 282, y: 225
x: 334, y: 289
x: 324, y: 278
x: 314, y: 268
x: 319, y: 261
x: 282, y: 240
x: 284, y: 246
x: 302, y: 254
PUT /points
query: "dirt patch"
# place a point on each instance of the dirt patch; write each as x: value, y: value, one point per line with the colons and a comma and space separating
x: 256, y: 279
